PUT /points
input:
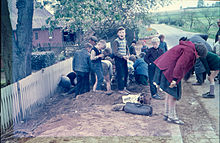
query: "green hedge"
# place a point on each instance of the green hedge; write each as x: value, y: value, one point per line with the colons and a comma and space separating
x: 41, y: 60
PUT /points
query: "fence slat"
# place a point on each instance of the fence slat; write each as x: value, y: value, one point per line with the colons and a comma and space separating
x: 18, y: 99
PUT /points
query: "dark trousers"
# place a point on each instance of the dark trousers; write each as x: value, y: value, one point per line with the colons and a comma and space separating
x: 122, y: 72
x: 201, y: 77
x: 82, y: 85
x: 151, y: 71
x: 188, y: 74
x: 141, y: 79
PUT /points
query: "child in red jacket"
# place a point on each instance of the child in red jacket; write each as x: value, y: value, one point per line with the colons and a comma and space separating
x: 170, y: 69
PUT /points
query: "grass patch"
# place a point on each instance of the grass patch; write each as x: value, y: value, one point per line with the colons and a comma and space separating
x: 144, y: 31
x: 181, y: 20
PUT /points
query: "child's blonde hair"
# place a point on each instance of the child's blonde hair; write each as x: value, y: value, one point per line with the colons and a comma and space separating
x: 155, y: 40
x: 103, y: 42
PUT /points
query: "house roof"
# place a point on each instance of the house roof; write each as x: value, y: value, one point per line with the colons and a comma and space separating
x: 39, y: 17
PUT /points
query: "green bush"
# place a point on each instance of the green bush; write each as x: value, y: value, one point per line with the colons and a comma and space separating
x: 177, y: 22
x: 165, y: 21
x: 41, y: 60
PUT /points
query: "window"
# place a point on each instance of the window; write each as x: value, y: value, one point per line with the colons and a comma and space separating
x: 36, y: 36
x: 69, y: 36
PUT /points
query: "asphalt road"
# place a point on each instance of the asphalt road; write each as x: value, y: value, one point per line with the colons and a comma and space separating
x: 172, y: 35
x: 208, y: 106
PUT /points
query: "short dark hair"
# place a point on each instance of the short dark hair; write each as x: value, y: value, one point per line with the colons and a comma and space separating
x: 161, y: 36
x: 142, y: 54
x: 183, y: 39
x: 93, y: 38
x: 107, y: 51
x: 134, y: 41
x: 120, y: 28
x: 88, y: 45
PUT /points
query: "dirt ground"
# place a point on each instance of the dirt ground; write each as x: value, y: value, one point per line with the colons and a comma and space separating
x: 91, y: 115
x: 198, y: 124
x: 90, y: 118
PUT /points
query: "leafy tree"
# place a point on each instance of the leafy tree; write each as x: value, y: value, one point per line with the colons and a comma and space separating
x: 210, y: 17
x: 191, y: 17
x: 103, y: 16
x: 217, y: 4
x: 200, y: 3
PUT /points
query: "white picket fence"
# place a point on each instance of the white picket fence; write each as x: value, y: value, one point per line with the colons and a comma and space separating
x: 19, y: 98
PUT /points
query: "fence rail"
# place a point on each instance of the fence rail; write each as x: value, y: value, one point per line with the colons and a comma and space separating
x: 19, y: 98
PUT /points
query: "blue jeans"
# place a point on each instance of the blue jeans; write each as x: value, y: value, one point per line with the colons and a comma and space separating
x: 97, y: 69
x: 151, y: 71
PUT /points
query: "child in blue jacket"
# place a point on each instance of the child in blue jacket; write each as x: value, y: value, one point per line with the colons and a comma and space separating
x: 141, y: 70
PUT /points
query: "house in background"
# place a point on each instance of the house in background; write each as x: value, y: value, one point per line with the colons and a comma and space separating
x: 41, y: 35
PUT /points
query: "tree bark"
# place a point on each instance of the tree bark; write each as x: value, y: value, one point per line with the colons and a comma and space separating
x: 23, y: 45
x: 6, y: 42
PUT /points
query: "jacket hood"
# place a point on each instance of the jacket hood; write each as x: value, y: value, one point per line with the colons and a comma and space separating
x: 187, y: 43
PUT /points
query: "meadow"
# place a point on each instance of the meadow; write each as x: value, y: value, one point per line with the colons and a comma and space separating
x: 202, y: 20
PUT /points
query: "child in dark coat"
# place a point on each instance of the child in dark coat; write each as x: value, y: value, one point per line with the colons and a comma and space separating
x: 96, y: 64
x: 152, y: 54
x: 163, y: 44
x: 170, y: 69
x: 82, y: 65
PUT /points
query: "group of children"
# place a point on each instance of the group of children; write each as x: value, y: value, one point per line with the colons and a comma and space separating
x: 163, y: 68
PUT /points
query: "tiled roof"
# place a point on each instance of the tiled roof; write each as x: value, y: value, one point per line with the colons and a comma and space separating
x: 39, y: 17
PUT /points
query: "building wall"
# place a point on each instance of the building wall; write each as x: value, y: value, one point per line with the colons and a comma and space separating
x: 41, y: 38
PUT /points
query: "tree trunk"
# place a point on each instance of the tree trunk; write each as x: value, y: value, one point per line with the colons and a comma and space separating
x: 6, y: 42
x: 23, y: 45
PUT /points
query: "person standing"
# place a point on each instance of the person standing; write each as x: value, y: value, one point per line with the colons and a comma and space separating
x: 152, y: 54
x: 170, y: 69
x: 218, y: 33
x: 163, y: 44
x: 121, y: 54
x: 93, y: 40
x: 144, y: 47
x: 96, y: 64
x: 81, y: 66
x: 132, y: 48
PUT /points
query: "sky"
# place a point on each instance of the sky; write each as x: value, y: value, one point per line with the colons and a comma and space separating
x: 175, y: 5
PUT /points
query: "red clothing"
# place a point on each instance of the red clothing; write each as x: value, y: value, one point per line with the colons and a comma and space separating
x: 176, y: 62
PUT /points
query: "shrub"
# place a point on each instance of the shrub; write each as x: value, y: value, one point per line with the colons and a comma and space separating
x: 41, y: 60
x: 165, y: 21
